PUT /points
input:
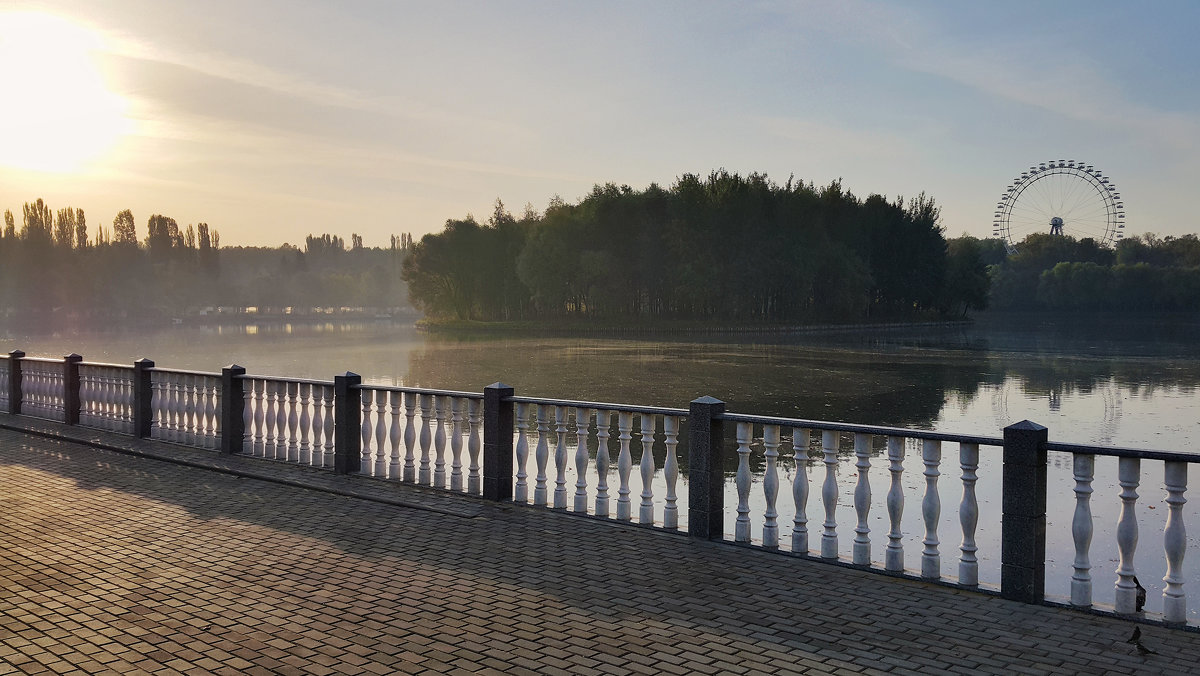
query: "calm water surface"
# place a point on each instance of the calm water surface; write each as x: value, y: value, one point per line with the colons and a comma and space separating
x: 1112, y: 382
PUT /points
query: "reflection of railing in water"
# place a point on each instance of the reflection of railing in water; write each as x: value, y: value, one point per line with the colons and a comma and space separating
x: 482, y: 443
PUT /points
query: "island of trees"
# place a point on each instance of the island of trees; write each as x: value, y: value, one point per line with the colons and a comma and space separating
x: 723, y: 248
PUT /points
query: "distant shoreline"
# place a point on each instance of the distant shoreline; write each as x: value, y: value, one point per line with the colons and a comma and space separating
x: 668, y: 327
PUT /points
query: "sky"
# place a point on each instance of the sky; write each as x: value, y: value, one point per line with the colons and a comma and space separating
x: 270, y: 120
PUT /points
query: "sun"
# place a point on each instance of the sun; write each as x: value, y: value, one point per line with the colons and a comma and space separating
x: 56, y: 114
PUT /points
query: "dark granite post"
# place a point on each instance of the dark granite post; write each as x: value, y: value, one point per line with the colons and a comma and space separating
x: 497, y: 442
x: 706, y: 475
x: 1023, y: 523
x: 71, y: 388
x: 14, y: 381
x: 347, y: 418
x: 143, y: 412
x: 233, y: 404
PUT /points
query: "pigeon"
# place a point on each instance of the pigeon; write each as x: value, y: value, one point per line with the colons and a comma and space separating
x: 1136, y: 640
x: 1141, y: 595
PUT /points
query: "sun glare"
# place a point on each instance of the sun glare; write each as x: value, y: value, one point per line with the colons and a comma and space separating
x: 56, y: 115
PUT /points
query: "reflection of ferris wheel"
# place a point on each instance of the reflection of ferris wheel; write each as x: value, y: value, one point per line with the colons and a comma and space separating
x: 1062, y: 197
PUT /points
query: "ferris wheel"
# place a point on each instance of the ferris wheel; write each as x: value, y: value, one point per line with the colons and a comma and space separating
x: 1061, y: 197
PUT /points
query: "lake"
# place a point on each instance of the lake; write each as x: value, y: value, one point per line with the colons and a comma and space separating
x: 1099, y: 380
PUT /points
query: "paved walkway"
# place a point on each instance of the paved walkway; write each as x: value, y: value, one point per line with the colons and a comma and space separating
x: 115, y: 563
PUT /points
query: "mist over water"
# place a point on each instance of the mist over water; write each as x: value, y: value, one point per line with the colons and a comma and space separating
x: 1124, y: 383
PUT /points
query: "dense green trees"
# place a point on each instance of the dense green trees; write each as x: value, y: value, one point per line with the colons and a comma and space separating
x: 725, y: 247
x: 52, y: 271
x: 1060, y: 273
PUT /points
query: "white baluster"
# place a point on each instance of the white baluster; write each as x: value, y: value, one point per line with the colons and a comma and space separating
x: 741, y: 532
x: 106, y: 403
x: 894, y: 556
x: 968, y: 514
x: 671, y: 470
x: 248, y: 417
x: 381, y: 434
x: 456, y: 474
x: 211, y: 419
x: 258, y: 417
x: 560, y: 457
x: 1175, y: 542
x: 179, y: 408
x: 92, y: 404
x: 410, y: 436
x: 92, y: 411
x: 189, y: 410
x: 175, y: 404
x: 521, y: 491
x: 603, y: 426
x: 126, y: 398
x: 168, y: 403
x: 541, y: 455
x: 203, y: 421
x: 328, y: 426
x: 269, y: 392
x: 439, y: 442
x: 100, y: 404
x: 86, y: 396
x: 293, y: 422
x: 646, y: 467
x: 91, y: 397
x: 364, y: 463
x: 800, y: 440
x: 45, y: 392
x: 931, y: 509
x: 475, y: 420
x: 582, y: 419
x: 862, y: 500
x: 115, y: 404
x: 281, y: 421
x: 624, y: 464
x: 306, y: 401
x: 262, y: 395
x: 318, y: 426
x: 120, y: 397
x: 425, y: 473
x: 829, y: 496
x: 1129, y: 476
x: 395, y: 436
x: 1083, y: 467
x: 770, y: 538
x: 192, y: 406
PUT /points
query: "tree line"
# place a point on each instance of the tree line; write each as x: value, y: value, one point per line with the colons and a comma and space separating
x: 1055, y: 272
x: 725, y: 247
x: 51, y: 268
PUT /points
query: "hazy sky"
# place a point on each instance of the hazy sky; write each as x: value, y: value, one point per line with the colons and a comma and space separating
x: 273, y: 119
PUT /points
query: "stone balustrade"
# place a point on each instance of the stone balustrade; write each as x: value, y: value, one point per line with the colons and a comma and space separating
x: 590, y: 457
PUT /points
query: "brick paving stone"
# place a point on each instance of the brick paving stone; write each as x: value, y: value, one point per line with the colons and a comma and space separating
x: 162, y: 559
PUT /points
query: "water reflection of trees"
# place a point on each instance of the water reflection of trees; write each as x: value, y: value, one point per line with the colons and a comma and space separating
x: 1047, y: 375
x: 898, y: 381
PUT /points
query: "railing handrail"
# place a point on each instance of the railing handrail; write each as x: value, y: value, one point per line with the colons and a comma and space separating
x: 184, y: 372
x: 604, y: 406
x: 300, y: 381
x: 1117, y: 452
x: 43, y: 360
x: 102, y: 364
x: 878, y: 430
x: 419, y: 390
